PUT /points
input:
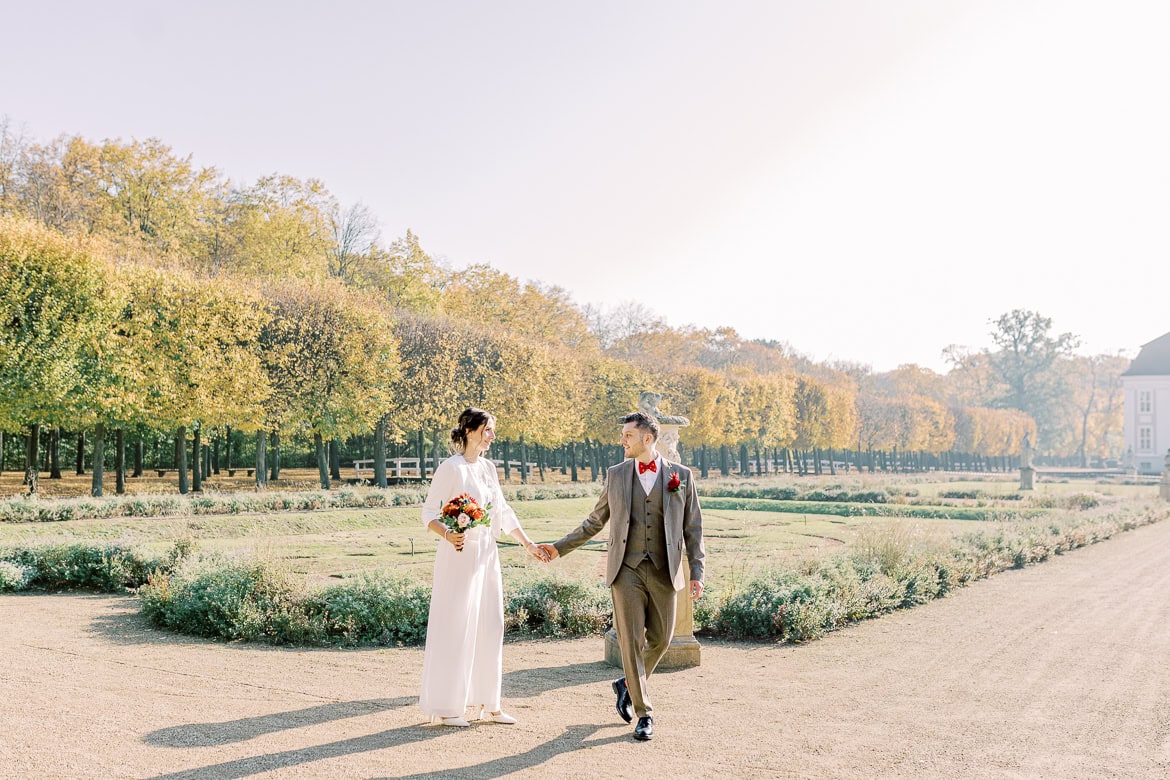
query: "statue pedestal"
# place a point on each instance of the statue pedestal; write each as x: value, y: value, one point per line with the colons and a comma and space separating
x: 1027, y: 477
x: 684, y: 651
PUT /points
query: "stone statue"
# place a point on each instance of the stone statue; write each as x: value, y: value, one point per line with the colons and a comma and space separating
x: 1027, y: 473
x: 648, y: 405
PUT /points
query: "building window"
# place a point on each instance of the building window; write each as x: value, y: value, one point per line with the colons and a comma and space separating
x: 1145, y: 403
x: 1145, y: 439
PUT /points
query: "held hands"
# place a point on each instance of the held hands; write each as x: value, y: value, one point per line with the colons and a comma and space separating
x: 537, y: 551
x: 550, y: 552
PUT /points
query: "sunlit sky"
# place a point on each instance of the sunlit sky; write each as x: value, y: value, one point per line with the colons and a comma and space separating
x: 867, y: 181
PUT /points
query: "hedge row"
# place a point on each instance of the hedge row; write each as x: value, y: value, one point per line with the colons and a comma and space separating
x: 255, y: 600
x: 41, y: 511
x: 796, y: 606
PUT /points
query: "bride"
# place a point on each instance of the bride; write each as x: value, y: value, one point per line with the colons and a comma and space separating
x: 463, y: 661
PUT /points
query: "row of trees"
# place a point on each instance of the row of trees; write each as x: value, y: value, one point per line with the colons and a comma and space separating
x: 141, y: 293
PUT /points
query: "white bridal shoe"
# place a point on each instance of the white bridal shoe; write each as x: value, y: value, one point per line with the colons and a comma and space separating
x: 460, y: 722
x: 496, y: 717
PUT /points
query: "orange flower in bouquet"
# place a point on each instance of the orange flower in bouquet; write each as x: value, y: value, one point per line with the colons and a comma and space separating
x: 463, y: 513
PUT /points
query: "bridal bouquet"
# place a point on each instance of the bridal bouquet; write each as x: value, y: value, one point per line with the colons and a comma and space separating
x: 463, y: 513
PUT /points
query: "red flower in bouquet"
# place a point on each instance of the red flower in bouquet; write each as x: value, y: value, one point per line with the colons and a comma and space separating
x: 463, y: 513
x: 674, y: 483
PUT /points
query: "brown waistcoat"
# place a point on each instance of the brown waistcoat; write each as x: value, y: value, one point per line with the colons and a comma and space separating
x: 647, y: 532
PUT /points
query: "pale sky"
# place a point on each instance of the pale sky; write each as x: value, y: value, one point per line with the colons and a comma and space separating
x: 867, y: 181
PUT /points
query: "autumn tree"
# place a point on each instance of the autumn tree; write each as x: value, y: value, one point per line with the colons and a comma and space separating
x: 56, y: 312
x: 199, y: 359
x: 538, y: 311
x: 330, y: 356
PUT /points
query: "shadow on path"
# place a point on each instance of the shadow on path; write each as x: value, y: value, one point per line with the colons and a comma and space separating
x: 227, y: 732
x: 572, y: 739
x: 243, y: 767
x: 526, y: 683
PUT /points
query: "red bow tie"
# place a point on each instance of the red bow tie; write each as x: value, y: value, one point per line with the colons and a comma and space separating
x: 651, y: 466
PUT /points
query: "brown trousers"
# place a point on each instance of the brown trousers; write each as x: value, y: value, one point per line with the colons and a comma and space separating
x: 644, y: 606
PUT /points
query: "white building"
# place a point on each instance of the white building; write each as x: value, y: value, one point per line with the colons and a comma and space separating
x: 1146, y: 384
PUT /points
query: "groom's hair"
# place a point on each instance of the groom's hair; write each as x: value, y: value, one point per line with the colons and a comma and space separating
x: 644, y: 422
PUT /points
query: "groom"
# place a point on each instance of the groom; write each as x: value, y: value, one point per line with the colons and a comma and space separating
x: 655, y: 512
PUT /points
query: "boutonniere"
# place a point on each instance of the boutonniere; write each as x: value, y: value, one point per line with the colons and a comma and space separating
x: 674, y: 484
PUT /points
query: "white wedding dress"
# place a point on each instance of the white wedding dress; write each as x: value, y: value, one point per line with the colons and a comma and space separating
x: 463, y: 662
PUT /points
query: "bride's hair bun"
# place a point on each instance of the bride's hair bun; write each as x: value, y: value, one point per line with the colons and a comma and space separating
x: 472, y: 419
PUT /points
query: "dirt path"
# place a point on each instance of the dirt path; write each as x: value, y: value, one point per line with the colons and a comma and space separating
x: 1059, y: 670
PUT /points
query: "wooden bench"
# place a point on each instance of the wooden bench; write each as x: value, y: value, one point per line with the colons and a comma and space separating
x: 232, y: 472
x: 396, y: 468
x: 399, y: 468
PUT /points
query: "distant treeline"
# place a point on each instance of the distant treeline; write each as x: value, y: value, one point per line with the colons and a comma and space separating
x: 147, y: 302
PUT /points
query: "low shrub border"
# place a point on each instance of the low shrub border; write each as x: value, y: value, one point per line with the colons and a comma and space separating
x: 58, y: 510
x: 255, y: 600
x: 795, y: 606
x: 872, y: 510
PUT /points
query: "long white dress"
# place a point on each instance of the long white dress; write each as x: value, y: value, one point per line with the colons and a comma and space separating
x: 463, y: 662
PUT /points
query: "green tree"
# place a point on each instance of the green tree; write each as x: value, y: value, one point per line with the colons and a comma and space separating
x: 1025, y: 362
x: 199, y: 361
x: 330, y: 356
x: 56, y: 313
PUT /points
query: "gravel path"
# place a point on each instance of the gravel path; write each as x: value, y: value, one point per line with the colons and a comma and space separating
x: 1058, y: 670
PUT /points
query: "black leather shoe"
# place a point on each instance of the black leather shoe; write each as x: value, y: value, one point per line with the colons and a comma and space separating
x: 625, y: 707
x: 645, y: 728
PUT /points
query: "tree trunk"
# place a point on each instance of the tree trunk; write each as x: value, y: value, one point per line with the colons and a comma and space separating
x: 215, y: 455
x: 99, y: 460
x: 275, y: 472
x: 197, y: 458
x: 261, y: 470
x: 227, y: 436
x: 32, y: 455
x: 724, y: 460
x: 523, y: 462
x: 55, y: 454
x: 507, y: 461
x: 422, y: 455
x: 119, y: 462
x: 573, y: 460
x: 181, y: 459
x: 323, y: 460
x: 80, y: 452
x: 138, y: 453
x: 1, y: 452
x: 380, y: 452
x: 436, y: 447
x: 335, y: 459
